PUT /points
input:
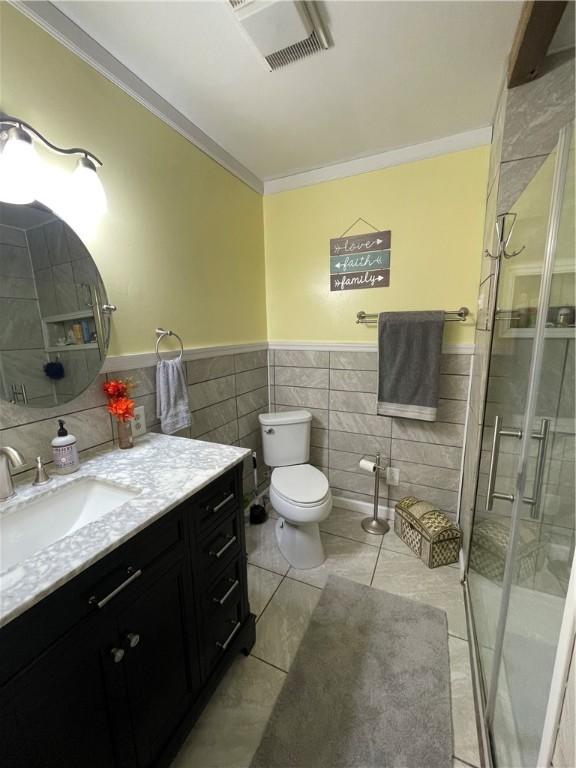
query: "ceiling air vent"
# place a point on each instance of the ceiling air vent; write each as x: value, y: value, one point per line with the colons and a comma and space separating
x: 283, y: 31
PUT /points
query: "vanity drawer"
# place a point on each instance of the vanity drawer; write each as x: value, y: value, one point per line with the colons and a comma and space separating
x: 223, y: 497
x: 220, y: 546
x: 221, y: 631
x: 124, y: 566
x: 226, y: 589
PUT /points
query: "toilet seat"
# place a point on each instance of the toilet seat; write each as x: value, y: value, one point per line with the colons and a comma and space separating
x: 301, y: 485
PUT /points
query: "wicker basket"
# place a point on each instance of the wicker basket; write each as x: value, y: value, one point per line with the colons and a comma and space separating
x: 427, y: 531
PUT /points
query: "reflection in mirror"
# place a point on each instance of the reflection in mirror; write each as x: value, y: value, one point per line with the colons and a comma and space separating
x: 53, y: 332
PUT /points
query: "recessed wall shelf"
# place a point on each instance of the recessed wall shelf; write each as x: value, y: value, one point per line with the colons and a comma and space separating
x: 72, y: 347
x: 78, y: 315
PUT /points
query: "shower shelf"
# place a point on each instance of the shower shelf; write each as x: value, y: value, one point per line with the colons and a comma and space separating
x: 72, y: 347
x: 528, y: 333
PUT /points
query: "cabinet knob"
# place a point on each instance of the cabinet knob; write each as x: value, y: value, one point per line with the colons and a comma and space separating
x: 132, y: 639
x: 117, y: 655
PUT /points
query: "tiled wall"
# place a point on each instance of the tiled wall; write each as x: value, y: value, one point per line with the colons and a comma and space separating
x: 226, y: 395
x: 22, y: 344
x: 339, y: 388
x: 44, y: 271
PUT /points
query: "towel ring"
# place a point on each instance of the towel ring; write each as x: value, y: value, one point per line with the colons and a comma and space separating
x: 161, y: 333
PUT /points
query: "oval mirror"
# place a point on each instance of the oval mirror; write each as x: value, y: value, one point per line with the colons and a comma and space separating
x: 54, y: 331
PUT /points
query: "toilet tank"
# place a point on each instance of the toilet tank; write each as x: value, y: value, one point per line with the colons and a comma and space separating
x: 285, y: 437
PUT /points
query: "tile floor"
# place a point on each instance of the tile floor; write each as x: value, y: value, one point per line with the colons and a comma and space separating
x: 283, y: 598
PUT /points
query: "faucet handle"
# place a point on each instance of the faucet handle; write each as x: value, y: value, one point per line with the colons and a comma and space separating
x: 41, y: 477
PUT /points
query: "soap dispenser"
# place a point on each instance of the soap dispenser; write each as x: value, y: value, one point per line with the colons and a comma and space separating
x: 65, y: 451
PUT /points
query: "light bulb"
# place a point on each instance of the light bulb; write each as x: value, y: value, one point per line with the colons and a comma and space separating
x: 79, y: 199
x: 87, y: 190
x: 19, y: 168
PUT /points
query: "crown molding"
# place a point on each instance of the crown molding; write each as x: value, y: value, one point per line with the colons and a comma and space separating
x: 456, y: 143
x: 71, y: 36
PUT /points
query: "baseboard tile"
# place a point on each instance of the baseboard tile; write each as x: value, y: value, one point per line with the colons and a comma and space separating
x: 354, y: 505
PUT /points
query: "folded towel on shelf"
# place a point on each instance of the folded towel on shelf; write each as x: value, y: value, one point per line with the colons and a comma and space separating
x: 409, y: 350
x: 172, y: 407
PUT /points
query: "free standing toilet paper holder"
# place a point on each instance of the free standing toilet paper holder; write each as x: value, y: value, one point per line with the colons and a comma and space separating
x: 374, y: 524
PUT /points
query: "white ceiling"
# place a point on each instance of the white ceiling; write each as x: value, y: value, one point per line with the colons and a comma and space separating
x: 400, y: 73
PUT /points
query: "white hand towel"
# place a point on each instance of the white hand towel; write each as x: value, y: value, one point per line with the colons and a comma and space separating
x: 172, y: 407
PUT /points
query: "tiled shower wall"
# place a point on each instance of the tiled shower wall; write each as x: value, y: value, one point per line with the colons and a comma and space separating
x: 339, y: 388
x: 526, y: 126
x: 226, y: 395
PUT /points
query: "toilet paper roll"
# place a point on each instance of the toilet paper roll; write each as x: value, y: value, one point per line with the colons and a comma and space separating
x: 366, y: 465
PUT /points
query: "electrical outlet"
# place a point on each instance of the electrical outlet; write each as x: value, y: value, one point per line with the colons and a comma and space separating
x: 392, y: 476
x: 139, y: 421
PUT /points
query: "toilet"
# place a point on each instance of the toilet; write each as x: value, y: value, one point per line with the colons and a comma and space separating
x: 299, y: 492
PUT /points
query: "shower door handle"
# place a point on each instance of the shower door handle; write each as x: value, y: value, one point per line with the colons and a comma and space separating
x: 542, y: 437
x: 492, y: 493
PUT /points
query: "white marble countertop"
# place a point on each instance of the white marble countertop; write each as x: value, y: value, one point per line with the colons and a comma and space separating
x: 165, y: 470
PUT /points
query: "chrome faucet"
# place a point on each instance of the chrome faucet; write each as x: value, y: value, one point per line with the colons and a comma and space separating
x: 8, y: 454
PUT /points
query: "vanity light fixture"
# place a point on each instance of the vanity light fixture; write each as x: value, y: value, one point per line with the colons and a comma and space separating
x: 78, y: 196
x: 19, y: 166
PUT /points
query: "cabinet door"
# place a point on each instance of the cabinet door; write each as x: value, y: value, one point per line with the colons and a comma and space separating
x: 159, y: 666
x: 54, y: 714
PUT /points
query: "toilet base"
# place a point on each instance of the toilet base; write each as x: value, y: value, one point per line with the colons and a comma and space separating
x: 301, y: 544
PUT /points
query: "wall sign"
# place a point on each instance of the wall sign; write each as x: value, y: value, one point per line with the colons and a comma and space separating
x: 360, y: 261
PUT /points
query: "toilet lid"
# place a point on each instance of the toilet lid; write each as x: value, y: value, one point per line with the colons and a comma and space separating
x: 301, y: 483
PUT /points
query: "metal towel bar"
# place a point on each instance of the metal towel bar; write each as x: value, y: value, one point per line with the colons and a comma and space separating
x: 461, y: 315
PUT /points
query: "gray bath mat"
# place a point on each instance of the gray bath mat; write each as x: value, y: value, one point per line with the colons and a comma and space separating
x: 369, y: 687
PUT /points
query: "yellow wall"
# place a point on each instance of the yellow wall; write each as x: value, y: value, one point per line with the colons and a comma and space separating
x: 435, y: 210
x: 182, y: 243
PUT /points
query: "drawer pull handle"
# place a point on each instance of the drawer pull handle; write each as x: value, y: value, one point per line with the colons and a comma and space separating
x: 132, y: 638
x: 225, y: 597
x: 218, y: 555
x: 230, y: 637
x: 223, y: 503
x: 132, y: 576
x: 117, y: 654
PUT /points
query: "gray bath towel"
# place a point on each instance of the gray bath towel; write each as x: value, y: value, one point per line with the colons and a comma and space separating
x: 172, y: 407
x: 409, y: 349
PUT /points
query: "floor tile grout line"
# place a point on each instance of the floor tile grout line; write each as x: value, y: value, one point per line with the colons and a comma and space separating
x: 466, y: 762
x: 375, y: 566
x: 269, y: 663
x: 298, y: 581
x: 348, y: 538
x: 270, y: 600
x: 268, y: 570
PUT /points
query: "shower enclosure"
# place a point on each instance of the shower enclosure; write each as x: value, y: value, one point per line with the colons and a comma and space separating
x: 522, y: 541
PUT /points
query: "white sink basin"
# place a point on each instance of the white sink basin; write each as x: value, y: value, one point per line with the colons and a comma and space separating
x: 51, y: 516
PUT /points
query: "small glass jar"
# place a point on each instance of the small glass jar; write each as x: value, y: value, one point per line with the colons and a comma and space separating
x: 125, y: 438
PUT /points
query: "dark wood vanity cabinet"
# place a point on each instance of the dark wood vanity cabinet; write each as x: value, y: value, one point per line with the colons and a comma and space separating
x: 112, y: 669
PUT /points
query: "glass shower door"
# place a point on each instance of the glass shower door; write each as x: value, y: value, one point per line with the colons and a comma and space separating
x: 544, y: 511
x: 519, y: 281
x: 522, y: 541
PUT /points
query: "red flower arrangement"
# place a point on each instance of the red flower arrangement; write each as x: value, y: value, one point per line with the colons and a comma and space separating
x: 120, y: 404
